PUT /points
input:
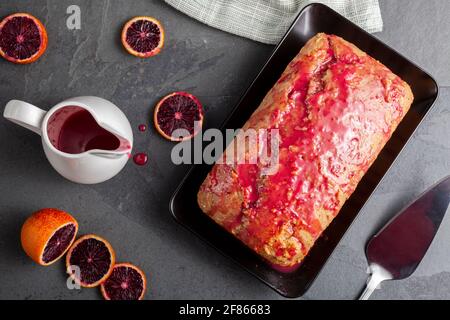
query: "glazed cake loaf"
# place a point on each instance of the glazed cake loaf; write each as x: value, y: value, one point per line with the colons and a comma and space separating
x: 335, y: 108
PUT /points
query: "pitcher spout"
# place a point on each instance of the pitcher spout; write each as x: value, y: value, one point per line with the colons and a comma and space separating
x: 124, y: 148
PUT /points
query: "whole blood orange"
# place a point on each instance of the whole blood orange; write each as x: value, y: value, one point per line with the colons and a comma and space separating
x: 90, y: 260
x: 23, y: 38
x: 126, y: 282
x: 47, y: 234
x: 143, y: 37
x: 178, y: 116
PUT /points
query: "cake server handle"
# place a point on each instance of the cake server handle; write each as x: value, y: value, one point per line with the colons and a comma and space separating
x: 372, y: 284
x: 377, y: 276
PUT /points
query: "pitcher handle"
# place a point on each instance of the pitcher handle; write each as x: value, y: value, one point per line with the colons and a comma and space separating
x: 25, y: 115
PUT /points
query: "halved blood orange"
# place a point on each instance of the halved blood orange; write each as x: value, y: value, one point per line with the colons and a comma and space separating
x: 178, y: 116
x: 23, y: 38
x: 126, y: 282
x: 143, y: 37
x: 90, y: 261
x: 47, y: 234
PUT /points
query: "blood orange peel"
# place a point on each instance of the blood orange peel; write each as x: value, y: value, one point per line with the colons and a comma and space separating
x: 126, y: 282
x: 23, y: 38
x: 143, y: 36
x: 90, y: 261
x: 178, y: 111
x: 47, y: 234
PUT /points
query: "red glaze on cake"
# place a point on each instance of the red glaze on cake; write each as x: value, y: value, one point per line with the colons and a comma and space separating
x: 335, y: 108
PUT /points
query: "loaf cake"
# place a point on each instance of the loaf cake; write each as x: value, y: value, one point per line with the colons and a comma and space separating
x: 335, y: 107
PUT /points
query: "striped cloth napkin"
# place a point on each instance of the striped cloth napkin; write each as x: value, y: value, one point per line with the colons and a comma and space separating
x: 268, y: 20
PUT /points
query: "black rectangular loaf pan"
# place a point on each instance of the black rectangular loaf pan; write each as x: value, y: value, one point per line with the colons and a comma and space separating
x: 312, y: 19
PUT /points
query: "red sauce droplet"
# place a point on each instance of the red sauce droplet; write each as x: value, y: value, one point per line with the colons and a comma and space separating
x: 142, y: 127
x: 140, y: 159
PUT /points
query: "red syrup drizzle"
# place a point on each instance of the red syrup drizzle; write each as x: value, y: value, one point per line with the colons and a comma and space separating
x: 140, y: 159
x: 74, y: 130
x: 284, y: 269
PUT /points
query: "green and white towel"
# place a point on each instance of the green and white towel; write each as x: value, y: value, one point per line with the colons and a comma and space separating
x: 268, y: 20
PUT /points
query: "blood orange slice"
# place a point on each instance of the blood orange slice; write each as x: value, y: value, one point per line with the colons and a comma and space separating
x: 143, y: 37
x: 47, y: 234
x: 178, y: 116
x: 126, y: 282
x: 90, y: 261
x: 23, y: 38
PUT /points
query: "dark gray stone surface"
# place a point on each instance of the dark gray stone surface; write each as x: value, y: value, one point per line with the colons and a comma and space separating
x: 131, y: 210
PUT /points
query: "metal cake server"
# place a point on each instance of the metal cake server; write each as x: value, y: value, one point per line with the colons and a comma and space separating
x: 397, y: 249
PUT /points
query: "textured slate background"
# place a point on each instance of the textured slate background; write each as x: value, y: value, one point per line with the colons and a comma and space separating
x: 131, y: 210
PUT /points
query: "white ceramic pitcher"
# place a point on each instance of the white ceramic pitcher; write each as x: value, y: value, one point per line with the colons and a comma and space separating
x: 89, y: 167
